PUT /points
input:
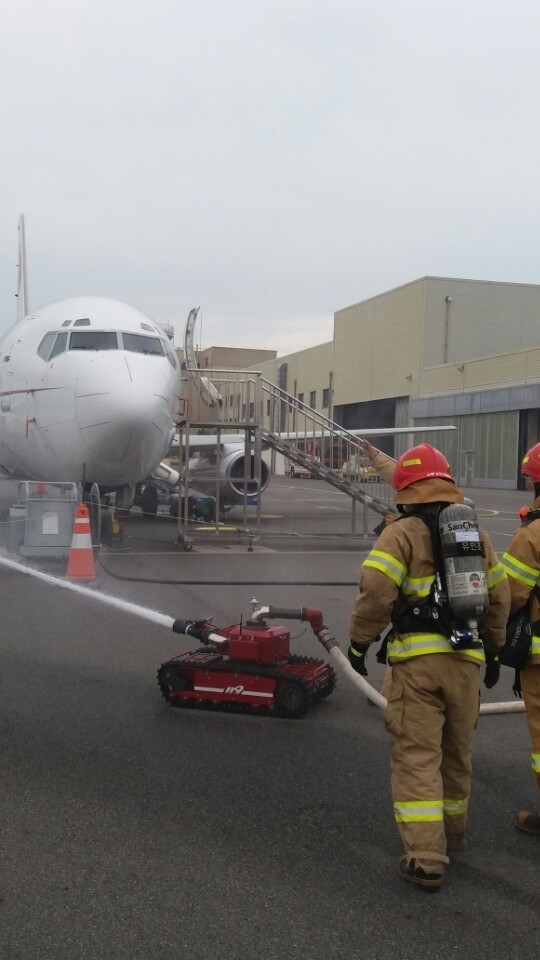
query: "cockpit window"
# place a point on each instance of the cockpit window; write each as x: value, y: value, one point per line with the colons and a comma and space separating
x: 55, y: 343
x: 146, y: 326
x: 52, y: 344
x: 66, y: 323
x: 59, y: 346
x: 83, y: 322
x: 93, y: 340
x: 138, y: 343
x: 45, y: 346
x: 169, y: 350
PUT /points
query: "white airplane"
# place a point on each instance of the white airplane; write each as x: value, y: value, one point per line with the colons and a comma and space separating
x: 89, y: 392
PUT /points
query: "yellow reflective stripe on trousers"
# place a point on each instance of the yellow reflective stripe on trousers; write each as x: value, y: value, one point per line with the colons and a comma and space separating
x: 519, y: 571
x: 455, y: 808
x: 418, y: 811
x: 417, y: 586
x: 535, y: 646
x: 536, y: 762
x: 495, y: 575
x: 417, y: 644
x: 387, y: 564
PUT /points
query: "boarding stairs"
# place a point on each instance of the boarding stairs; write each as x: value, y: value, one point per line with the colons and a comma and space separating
x: 269, y: 416
x: 297, y: 429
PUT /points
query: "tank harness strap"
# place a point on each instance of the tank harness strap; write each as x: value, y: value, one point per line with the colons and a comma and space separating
x: 430, y: 614
x: 382, y: 652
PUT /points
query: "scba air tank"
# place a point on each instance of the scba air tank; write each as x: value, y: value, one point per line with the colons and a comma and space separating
x: 463, y: 562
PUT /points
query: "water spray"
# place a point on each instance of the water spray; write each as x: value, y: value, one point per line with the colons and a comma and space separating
x: 134, y: 608
x: 314, y: 617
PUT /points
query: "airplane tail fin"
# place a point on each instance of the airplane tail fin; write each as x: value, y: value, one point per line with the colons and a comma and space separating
x: 22, y: 279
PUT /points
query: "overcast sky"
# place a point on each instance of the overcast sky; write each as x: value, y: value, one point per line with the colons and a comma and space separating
x: 269, y: 160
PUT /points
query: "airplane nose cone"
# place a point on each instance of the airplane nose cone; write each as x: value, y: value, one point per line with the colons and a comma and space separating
x: 124, y: 408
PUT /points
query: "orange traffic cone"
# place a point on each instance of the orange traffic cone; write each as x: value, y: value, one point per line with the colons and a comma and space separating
x: 81, y: 557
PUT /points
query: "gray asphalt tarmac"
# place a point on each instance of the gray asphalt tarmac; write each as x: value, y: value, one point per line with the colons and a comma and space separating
x: 130, y: 830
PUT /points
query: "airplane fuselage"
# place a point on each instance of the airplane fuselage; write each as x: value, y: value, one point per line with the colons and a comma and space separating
x: 89, y: 390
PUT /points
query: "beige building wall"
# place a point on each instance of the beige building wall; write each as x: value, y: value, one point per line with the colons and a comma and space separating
x: 215, y: 359
x: 475, y: 318
x: 232, y: 358
x: 229, y: 358
x: 308, y: 371
x: 395, y: 345
x: 378, y: 345
x: 505, y: 370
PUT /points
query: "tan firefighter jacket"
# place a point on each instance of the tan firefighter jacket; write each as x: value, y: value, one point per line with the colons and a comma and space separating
x: 522, y: 564
x: 398, y: 573
x: 382, y: 463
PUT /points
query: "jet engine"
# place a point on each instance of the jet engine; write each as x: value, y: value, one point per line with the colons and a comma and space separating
x: 232, y: 474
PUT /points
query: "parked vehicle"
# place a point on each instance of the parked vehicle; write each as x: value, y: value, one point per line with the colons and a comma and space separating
x: 359, y: 468
x: 295, y: 470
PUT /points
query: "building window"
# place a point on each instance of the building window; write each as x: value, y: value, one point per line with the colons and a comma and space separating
x: 300, y: 398
x: 251, y: 411
x: 326, y: 398
x: 313, y: 399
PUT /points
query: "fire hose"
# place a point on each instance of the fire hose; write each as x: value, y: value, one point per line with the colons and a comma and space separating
x: 329, y: 642
x: 311, y: 615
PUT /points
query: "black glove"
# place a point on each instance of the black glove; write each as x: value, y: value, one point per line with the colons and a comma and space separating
x: 493, y: 670
x: 357, y: 656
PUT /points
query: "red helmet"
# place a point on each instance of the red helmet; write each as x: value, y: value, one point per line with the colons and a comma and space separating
x: 419, y: 463
x: 530, y: 465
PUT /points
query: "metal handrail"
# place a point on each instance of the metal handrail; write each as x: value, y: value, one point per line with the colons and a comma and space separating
x: 301, y: 434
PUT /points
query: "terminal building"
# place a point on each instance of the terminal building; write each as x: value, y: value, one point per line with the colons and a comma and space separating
x: 436, y: 351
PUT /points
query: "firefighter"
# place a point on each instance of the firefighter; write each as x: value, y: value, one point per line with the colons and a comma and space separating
x: 522, y: 564
x: 382, y: 463
x: 433, y: 696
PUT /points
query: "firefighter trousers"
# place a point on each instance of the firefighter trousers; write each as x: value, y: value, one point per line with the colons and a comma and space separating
x: 530, y: 688
x: 432, y: 711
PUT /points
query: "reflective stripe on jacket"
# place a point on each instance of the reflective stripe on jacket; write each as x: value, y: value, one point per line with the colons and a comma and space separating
x: 398, y: 573
x: 522, y: 564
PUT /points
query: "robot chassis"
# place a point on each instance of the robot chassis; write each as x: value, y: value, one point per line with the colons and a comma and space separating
x: 248, y: 666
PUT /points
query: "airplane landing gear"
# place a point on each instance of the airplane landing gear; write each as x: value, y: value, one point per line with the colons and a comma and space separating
x: 149, y: 500
x: 92, y: 499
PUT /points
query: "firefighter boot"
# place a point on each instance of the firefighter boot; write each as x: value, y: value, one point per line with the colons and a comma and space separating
x: 528, y: 822
x: 431, y: 882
